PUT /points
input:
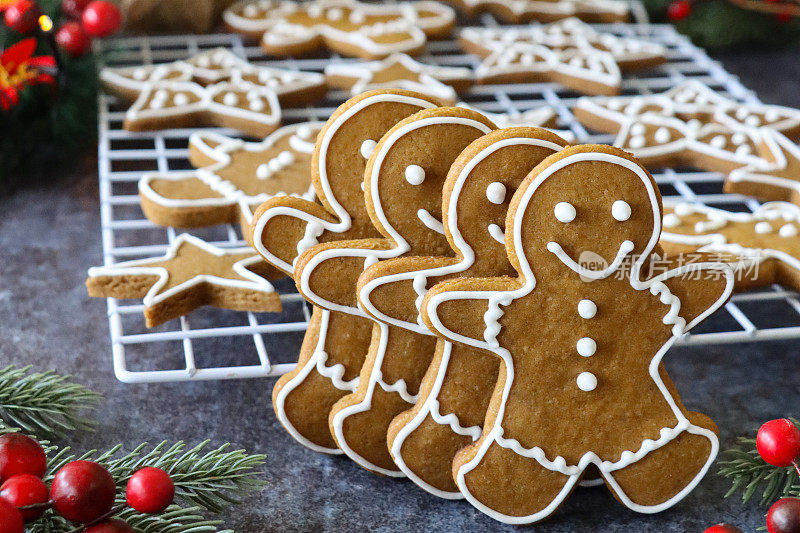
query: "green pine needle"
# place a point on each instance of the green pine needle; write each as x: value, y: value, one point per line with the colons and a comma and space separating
x: 750, y: 474
x: 44, y: 403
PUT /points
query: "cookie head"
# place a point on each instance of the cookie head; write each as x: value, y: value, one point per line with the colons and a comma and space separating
x: 591, y: 208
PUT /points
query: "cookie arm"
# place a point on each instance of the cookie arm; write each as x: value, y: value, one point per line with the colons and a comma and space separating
x: 466, y: 310
x: 702, y: 286
x: 391, y: 291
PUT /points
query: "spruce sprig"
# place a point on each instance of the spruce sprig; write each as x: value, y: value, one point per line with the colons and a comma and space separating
x: 750, y: 473
x: 44, y: 403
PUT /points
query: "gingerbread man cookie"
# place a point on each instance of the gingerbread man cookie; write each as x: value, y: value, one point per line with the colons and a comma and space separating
x: 191, y: 274
x: 232, y: 179
x: 762, y: 247
x: 400, y: 71
x: 403, y: 187
x: 336, y: 343
x: 518, y: 11
x: 573, y: 389
x: 568, y: 52
x: 455, y: 391
x: 349, y: 27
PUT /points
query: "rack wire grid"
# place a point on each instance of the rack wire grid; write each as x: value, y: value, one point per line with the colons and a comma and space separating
x: 217, y: 344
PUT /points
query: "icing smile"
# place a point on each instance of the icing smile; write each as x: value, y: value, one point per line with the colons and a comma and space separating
x: 430, y: 221
x: 497, y: 233
x: 624, y: 249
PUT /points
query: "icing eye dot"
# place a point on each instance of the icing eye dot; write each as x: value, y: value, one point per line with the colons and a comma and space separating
x: 763, y: 227
x: 496, y: 192
x: 367, y: 147
x: 787, y: 230
x: 415, y: 174
x: 620, y: 210
x: 671, y: 220
x: 565, y: 212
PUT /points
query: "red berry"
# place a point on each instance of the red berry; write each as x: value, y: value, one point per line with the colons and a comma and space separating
x: 101, y: 18
x: 783, y: 18
x: 73, y: 39
x: 10, y: 518
x: 22, y: 490
x: 150, y: 490
x: 110, y: 526
x: 722, y: 528
x: 21, y: 455
x: 22, y: 16
x: 784, y: 516
x: 74, y: 8
x: 679, y: 10
x: 82, y: 491
x: 778, y: 442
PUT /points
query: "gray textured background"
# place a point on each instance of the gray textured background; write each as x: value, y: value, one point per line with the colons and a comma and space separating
x: 49, y: 235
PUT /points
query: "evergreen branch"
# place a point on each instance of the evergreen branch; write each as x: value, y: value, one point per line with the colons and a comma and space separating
x: 44, y: 403
x: 750, y: 474
x: 175, y: 519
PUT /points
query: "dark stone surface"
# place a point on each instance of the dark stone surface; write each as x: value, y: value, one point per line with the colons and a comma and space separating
x: 49, y: 234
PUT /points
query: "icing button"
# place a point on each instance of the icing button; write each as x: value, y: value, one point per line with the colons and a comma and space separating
x: 587, y: 309
x: 586, y: 347
x: 763, y: 227
x: 586, y: 381
x: 787, y: 230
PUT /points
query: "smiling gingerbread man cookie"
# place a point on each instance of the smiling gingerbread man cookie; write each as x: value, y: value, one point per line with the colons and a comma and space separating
x: 403, y: 190
x: 455, y: 392
x: 336, y: 343
x: 581, y: 331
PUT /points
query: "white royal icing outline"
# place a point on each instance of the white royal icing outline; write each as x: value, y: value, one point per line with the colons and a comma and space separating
x: 559, y: 8
x: 497, y: 298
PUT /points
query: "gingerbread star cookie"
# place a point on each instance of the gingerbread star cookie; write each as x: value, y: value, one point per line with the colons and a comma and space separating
x: 517, y: 11
x: 762, y: 247
x: 575, y: 389
x: 192, y: 273
x: 568, y: 52
x: 233, y: 178
x: 777, y: 178
x: 349, y: 27
x: 400, y: 71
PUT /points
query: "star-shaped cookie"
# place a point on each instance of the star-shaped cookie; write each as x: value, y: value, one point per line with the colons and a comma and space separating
x: 777, y: 178
x: 763, y: 247
x: 232, y: 179
x: 192, y: 273
x: 349, y: 27
x: 400, y: 71
x: 517, y: 11
x: 568, y: 52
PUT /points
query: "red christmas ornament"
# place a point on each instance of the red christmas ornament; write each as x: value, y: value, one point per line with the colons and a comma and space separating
x: 22, y: 16
x: 10, y: 518
x: 74, y: 8
x: 722, y: 528
x: 21, y: 455
x: 82, y: 491
x: 73, y: 39
x: 678, y: 10
x: 101, y: 18
x: 784, y: 516
x: 110, y: 526
x: 150, y: 490
x: 783, y: 18
x: 778, y: 442
x: 23, y: 490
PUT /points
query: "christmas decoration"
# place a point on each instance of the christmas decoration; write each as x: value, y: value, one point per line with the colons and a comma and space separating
x: 82, y: 491
x: 101, y: 18
x: 778, y: 442
x: 72, y: 38
x: 20, y: 69
x: 110, y: 526
x: 20, y: 455
x: 784, y: 516
x: 22, y: 16
x: 74, y: 8
x: 678, y: 10
x: 24, y: 490
x: 10, y: 518
x: 150, y: 490
x: 722, y: 528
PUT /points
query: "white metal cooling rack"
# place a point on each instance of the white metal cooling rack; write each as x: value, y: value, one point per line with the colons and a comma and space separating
x: 216, y: 344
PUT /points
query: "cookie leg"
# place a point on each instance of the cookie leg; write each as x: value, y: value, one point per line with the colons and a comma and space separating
x: 664, y: 476
x: 507, y: 486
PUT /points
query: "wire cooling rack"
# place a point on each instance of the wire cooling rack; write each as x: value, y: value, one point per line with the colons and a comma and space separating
x: 218, y: 344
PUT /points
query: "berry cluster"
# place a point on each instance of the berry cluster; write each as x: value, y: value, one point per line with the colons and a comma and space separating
x: 98, y: 18
x: 81, y: 491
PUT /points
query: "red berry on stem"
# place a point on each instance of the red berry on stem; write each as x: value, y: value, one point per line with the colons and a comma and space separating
x: 150, y: 490
x: 101, y: 18
x: 74, y: 8
x: 722, y: 528
x: 784, y: 516
x: 21, y: 455
x: 778, y: 442
x: 10, y: 518
x: 23, y: 490
x: 22, y: 16
x: 678, y: 10
x: 110, y: 526
x: 73, y: 39
x: 82, y: 491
